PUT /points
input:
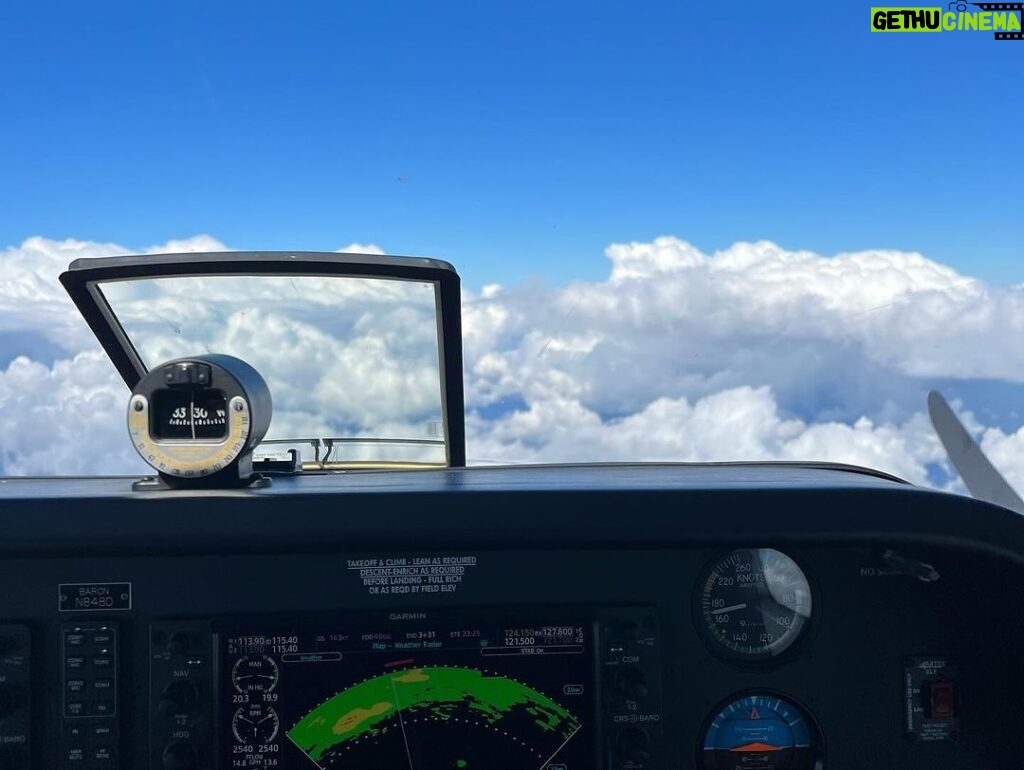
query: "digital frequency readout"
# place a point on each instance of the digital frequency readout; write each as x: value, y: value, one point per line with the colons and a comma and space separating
x: 408, y: 691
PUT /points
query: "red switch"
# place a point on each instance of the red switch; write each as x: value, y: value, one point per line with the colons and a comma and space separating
x: 942, y: 701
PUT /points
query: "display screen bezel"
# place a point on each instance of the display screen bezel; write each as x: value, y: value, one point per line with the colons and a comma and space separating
x: 581, y: 748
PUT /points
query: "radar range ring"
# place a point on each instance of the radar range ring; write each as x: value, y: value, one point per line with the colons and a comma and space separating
x: 428, y: 712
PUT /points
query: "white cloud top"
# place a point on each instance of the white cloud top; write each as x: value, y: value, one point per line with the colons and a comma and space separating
x: 753, y: 352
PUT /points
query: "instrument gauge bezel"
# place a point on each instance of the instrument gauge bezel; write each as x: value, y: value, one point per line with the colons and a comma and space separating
x: 767, y: 659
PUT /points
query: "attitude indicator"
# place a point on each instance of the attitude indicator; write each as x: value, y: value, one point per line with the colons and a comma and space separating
x: 761, y: 731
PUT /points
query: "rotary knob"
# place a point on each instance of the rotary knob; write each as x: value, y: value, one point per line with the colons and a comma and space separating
x: 632, y: 745
x: 8, y: 701
x: 180, y: 756
x: 10, y: 644
x: 178, y: 643
x: 628, y: 683
x: 180, y: 695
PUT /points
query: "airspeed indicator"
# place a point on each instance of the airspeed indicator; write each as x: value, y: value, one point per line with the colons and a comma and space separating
x: 754, y: 604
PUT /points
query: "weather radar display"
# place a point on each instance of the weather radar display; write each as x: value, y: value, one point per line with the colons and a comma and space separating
x: 428, y: 692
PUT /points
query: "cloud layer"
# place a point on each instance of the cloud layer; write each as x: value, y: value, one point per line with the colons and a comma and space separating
x: 754, y: 352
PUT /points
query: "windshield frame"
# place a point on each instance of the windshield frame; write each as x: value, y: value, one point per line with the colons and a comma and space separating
x: 83, y: 277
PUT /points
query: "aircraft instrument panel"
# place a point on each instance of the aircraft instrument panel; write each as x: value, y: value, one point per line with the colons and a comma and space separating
x: 630, y: 618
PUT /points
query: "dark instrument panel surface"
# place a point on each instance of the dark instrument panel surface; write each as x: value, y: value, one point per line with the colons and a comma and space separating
x: 170, y: 629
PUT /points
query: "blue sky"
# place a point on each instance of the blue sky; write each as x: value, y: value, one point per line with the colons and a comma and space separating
x: 514, y: 139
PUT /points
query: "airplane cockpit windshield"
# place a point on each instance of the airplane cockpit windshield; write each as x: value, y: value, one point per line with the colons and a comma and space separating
x: 360, y: 355
x: 350, y: 359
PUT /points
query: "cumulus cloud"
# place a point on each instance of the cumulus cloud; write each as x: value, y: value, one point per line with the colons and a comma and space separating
x: 737, y: 424
x: 835, y: 338
x: 753, y: 352
x: 67, y: 419
x: 342, y: 355
x: 362, y: 248
x: 823, y: 357
x: 36, y: 316
x: 1006, y: 452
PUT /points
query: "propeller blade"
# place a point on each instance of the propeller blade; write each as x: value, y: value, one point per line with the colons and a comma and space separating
x: 980, y: 477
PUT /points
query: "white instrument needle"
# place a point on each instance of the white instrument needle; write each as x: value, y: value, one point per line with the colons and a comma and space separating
x: 730, y: 608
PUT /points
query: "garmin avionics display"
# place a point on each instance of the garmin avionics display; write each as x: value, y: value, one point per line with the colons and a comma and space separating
x: 422, y: 690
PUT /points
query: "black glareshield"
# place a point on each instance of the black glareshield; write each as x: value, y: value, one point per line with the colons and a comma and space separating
x: 83, y: 278
x: 198, y: 419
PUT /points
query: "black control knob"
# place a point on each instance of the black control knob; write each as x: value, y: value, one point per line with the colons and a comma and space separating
x: 8, y: 701
x: 621, y: 634
x: 180, y: 756
x: 178, y: 643
x: 628, y: 631
x: 180, y: 695
x: 628, y: 683
x: 633, y: 745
